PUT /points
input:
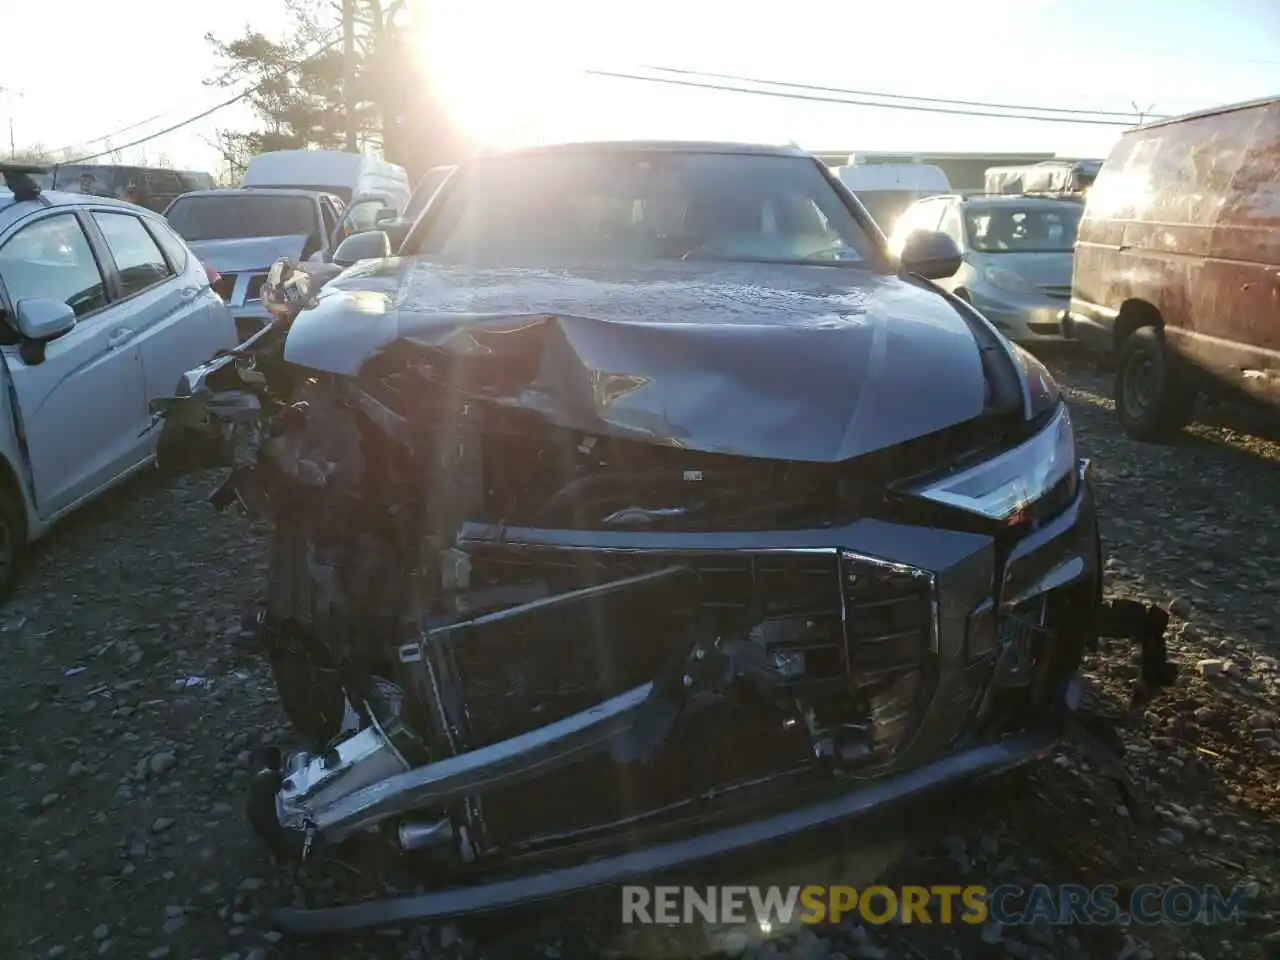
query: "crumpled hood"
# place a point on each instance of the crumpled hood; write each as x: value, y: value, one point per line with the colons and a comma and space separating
x: 782, y: 362
x: 247, y: 253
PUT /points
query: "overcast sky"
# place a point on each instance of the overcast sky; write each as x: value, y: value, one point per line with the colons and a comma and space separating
x: 511, y: 69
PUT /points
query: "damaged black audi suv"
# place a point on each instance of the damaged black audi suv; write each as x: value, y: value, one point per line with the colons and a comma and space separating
x: 641, y: 510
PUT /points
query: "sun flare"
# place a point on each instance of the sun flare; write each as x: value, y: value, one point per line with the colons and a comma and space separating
x: 501, y: 70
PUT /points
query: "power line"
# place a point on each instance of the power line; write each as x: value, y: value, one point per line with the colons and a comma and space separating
x: 919, y: 108
x: 891, y: 96
x: 116, y: 133
x: 243, y: 94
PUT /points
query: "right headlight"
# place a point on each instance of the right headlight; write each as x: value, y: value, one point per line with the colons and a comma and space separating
x: 1004, y: 486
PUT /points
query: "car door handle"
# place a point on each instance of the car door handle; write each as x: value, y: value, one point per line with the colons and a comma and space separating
x: 189, y: 292
x: 118, y: 337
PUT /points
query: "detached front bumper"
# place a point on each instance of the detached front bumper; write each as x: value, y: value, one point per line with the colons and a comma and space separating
x: 971, y: 659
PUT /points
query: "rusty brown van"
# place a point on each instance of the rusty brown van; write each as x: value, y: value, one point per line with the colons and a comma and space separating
x: 1177, y: 264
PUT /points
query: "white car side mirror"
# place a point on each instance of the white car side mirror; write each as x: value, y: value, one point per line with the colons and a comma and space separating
x: 42, y: 319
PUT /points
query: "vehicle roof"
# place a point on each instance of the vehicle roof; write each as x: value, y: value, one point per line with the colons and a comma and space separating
x: 1210, y: 112
x: 1018, y: 199
x: 657, y: 146
x: 330, y: 163
x: 256, y: 192
x: 11, y: 210
x: 871, y: 177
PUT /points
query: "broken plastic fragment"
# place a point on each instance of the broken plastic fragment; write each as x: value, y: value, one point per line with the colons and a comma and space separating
x: 234, y: 406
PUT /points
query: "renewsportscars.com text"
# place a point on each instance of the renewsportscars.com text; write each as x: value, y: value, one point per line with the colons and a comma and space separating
x: 1009, y: 904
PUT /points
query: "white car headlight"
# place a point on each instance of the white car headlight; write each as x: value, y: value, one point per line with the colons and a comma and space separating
x: 1006, y: 279
x: 1000, y: 488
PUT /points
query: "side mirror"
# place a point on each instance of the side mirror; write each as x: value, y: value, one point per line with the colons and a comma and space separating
x: 934, y: 256
x: 43, y: 320
x: 370, y: 245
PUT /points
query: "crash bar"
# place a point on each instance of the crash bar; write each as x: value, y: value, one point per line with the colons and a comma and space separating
x: 637, y: 865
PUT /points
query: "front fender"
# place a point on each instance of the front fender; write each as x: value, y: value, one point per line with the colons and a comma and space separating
x: 14, y: 453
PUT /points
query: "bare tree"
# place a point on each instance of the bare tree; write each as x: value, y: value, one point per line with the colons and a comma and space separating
x: 34, y: 153
x: 234, y: 150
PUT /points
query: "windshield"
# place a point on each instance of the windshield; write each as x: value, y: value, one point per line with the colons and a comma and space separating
x: 886, y: 206
x: 563, y: 208
x: 1024, y: 230
x: 237, y: 216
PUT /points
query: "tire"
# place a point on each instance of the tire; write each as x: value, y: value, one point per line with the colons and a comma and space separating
x: 1152, y: 401
x: 13, y: 540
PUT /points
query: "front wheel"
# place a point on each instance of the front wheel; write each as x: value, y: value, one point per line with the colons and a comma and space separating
x: 1152, y: 401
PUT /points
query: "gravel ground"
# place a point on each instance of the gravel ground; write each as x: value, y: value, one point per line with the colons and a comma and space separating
x: 127, y: 718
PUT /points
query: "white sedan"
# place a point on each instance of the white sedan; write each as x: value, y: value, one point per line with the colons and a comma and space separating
x: 102, y: 309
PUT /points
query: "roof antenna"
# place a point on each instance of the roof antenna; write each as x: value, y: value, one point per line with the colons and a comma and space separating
x: 19, y: 178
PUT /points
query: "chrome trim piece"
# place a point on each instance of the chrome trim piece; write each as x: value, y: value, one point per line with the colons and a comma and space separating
x: 917, y: 573
x: 501, y: 764
x: 1060, y: 575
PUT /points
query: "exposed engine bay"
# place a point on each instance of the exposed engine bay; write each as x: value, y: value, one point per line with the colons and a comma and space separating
x: 476, y: 608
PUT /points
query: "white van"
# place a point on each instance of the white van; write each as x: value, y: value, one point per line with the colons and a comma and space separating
x: 352, y: 176
x: 887, y: 189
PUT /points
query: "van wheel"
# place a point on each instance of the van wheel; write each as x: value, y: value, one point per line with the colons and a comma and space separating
x: 1152, y: 402
x: 13, y: 541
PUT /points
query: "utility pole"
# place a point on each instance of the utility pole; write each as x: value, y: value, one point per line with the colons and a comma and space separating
x: 349, y: 73
x: 1142, y: 114
x: 9, y: 94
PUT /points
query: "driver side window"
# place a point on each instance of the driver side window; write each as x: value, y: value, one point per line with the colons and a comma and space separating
x: 52, y: 259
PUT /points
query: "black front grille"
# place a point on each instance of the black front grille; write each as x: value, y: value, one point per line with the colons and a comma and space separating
x: 829, y: 623
x: 763, y: 585
x: 888, y: 620
x: 224, y: 286
x: 553, y: 673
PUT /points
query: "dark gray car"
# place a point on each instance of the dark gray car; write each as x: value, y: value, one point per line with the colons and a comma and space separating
x: 240, y: 232
x: 642, y: 513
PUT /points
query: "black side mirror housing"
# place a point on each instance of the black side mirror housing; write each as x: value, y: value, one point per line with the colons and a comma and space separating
x: 369, y: 245
x: 934, y: 256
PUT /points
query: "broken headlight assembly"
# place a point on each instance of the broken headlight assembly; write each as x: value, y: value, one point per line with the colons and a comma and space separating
x: 1006, y: 486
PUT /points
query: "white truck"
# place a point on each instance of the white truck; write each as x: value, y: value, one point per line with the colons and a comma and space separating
x: 352, y: 176
x: 887, y: 189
